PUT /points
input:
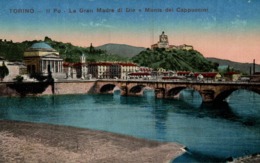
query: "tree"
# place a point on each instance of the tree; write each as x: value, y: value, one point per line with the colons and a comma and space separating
x: 47, y: 39
x: 3, y: 71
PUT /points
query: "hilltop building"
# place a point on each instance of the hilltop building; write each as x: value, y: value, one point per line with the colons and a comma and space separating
x: 41, y: 58
x: 164, y: 43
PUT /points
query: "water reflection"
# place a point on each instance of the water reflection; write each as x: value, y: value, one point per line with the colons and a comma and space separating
x: 210, y: 131
x: 160, y: 116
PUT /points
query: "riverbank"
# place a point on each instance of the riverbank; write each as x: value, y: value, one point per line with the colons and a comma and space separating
x: 255, y: 158
x: 33, y: 142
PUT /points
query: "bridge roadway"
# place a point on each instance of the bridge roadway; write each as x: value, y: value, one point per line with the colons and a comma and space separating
x: 210, y: 91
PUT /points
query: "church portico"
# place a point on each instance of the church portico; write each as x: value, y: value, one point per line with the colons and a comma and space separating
x: 40, y: 58
x: 54, y: 65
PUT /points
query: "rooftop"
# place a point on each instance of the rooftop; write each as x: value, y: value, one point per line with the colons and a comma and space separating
x: 41, y: 46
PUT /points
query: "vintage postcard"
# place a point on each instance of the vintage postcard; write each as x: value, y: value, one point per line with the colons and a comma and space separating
x: 129, y: 81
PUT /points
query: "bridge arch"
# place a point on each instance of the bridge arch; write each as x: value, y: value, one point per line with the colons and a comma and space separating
x: 147, y: 89
x: 107, y: 88
x: 137, y: 89
x: 174, y: 91
x: 225, y: 94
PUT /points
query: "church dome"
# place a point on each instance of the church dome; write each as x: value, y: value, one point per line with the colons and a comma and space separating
x: 41, y: 46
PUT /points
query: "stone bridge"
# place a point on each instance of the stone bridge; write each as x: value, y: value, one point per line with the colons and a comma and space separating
x: 209, y: 91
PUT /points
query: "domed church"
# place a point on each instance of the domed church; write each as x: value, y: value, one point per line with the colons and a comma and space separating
x: 41, y: 58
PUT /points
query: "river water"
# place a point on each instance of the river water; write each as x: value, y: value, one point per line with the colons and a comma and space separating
x: 211, y: 132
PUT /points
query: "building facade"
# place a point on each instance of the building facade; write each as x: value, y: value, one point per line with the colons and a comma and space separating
x: 41, y: 58
x: 99, y: 70
x: 127, y: 68
x: 111, y: 70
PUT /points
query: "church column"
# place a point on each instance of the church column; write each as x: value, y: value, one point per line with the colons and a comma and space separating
x: 48, y: 64
x: 38, y: 66
x: 58, y: 66
x: 55, y: 64
x: 52, y: 66
x: 45, y: 66
x: 61, y: 66
x: 41, y: 62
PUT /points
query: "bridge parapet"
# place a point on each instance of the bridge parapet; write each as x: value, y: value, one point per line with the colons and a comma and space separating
x: 209, y: 91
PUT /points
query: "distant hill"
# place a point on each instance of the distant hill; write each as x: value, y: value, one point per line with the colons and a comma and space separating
x: 121, y: 49
x: 185, y: 60
x: 243, y: 67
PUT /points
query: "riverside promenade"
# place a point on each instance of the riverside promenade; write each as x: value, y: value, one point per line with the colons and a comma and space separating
x: 34, y: 142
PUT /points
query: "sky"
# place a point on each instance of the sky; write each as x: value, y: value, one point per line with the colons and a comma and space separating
x: 228, y: 29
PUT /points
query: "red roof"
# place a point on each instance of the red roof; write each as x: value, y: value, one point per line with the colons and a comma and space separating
x: 172, y: 77
x: 67, y: 64
x: 139, y: 73
x: 183, y: 72
x: 145, y: 69
x: 100, y: 64
x: 127, y: 64
x: 111, y: 63
x: 206, y: 74
x: 77, y: 64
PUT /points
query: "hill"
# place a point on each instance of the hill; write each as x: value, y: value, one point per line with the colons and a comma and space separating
x: 186, y: 60
x: 121, y: 49
x: 71, y: 53
x: 243, y: 67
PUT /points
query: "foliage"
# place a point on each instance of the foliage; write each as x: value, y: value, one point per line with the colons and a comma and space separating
x: 123, y: 50
x: 38, y: 77
x: 14, y: 51
x: 3, y: 71
x: 18, y: 78
x: 181, y: 60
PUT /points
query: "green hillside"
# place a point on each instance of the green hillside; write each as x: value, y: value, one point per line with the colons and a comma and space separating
x: 121, y: 49
x: 14, y: 51
x: 186, y: 60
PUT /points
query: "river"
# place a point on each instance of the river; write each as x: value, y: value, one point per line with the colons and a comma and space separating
x: 211, y: 132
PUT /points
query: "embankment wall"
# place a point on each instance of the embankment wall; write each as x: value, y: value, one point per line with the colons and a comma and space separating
x: 38, y: 89
x: 83, y: 87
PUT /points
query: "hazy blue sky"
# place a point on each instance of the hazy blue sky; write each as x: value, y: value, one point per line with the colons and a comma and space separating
x: 229, y: 29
